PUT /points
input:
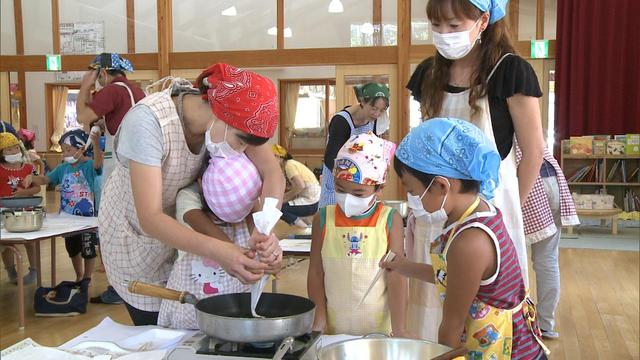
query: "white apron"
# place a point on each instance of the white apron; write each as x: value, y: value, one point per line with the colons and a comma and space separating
x: 424, y: 311
x: 507, y: 195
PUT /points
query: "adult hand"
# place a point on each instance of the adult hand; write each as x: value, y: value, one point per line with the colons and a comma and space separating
x: 89, y: 78
x: 266, y: 246
x: 239, y: 263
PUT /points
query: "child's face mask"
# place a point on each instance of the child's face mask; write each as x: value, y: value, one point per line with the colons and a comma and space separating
x: 219, y: 149
x: 352, y: 205
x: 231, y: 187
x: 13, y: 158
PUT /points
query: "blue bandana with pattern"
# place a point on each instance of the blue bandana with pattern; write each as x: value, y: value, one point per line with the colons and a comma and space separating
x: 452, y: 148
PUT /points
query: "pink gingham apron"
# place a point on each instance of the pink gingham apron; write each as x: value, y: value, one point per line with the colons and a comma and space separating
x: 128, y: 253
x: 536, y: 212
x: 203, y: 278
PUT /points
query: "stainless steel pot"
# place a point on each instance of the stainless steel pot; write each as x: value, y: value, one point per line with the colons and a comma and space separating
x: 22, y: 220
x: 20, y: 202
x: 228, y: 317
x: 387, y: 349
x: 399, y: 205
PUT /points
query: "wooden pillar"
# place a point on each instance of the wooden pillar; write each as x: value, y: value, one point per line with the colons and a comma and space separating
x: 22, y: 83
x: 280, y: 24
x: 404, y: 43
x: 540, y: 19
x: 377, y: 23
x: 55, y: 26
x: 165, y: 36
x: 514, y: 17
x: 131, y: 27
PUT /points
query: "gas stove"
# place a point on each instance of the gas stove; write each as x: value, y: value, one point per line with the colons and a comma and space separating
x: 202, y: 346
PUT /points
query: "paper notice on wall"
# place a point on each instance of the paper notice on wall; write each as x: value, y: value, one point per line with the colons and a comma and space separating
x: 82, y: 38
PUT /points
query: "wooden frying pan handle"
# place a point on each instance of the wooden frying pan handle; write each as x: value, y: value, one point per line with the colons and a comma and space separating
x: 142, y: 288
x: 449, y: 355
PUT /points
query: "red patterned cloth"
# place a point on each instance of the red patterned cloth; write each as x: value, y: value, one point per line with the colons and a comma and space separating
x: 243, y: 99
x: 536, y: 212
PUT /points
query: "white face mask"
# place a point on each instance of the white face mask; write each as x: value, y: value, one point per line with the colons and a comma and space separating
x: 70, y: 159
x: 220, y: 149
x: 457, y: 45
x: 415, y: 203
x: 352, y: 205
x: 13, y: 158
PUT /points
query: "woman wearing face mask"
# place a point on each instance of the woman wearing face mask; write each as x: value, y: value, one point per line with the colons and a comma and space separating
x: 160, y: 148
x: 352, y: 120
x: 476, y: 76
x: 450, y: 169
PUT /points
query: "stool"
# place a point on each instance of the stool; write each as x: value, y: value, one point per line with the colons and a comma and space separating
x: 603, y: 215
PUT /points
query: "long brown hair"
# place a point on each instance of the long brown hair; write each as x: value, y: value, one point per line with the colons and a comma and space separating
x: 495, y: 42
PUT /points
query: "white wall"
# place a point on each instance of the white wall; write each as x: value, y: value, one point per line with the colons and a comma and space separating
x: 36, y: 112
x: 7, y: 29
x: 36, y: 20
x: 112, y: 13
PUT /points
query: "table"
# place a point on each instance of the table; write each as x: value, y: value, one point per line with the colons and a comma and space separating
x: 292, y: 247
x: 52, y: 227
x: 603, y: 215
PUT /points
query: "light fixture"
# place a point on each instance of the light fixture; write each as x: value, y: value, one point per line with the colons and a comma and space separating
x: 273, y: 31
x: 367, y: 28
x: 335, y: 6
x: 229, y: 11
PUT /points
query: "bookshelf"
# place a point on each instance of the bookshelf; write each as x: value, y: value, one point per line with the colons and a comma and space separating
x: 606, y: 176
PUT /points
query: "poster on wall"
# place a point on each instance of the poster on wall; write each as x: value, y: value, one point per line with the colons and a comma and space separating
x: 82, y: 38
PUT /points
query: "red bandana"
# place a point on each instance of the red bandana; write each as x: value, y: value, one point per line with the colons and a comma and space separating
x: 243, y: 99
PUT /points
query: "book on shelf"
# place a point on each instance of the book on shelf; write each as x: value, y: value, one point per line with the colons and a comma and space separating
x: 601, y: 137
x: 581, y: 145
x: 612, y: 171
x: 599, y: 147
x: 623, y: 170
x: 615, y: 147
x: 622, y: 138
x: 580, y: 173
x: 631, y: 201
x: 633, y: 144
x: 634, y: 176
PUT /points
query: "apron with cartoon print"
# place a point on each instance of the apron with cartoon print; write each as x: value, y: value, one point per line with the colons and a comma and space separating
x: 328, y: 192
x: 350, y: 257
x: 424, y: 310
x: 203, y: 278
x: 507, y: 195
x: 488, y: 330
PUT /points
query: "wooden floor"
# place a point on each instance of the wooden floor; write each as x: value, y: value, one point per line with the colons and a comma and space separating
x: 598, y: 316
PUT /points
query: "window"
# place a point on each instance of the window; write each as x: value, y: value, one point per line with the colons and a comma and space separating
x: 307, y: 106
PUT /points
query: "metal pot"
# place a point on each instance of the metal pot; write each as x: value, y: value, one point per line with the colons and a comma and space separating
x: 19, y: 202
x: 228, y: 317
x: 387, y: 349
x: 399, y: 205
x: 23, y: 220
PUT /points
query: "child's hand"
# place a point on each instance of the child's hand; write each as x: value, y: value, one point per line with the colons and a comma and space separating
x: 95, y: 140
x: 27, y: 181
x: 397, y: 262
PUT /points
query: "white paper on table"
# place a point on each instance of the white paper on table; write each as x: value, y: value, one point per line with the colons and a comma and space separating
x: 54, y: 224
x: 264, y: 221
x: 130, y: 337
x: 28, y: 349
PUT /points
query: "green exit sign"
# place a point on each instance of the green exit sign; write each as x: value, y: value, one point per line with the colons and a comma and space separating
x: 54, y: 63
x: 539, y: 49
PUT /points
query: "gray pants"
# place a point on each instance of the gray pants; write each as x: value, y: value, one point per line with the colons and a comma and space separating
x: 544, y: 255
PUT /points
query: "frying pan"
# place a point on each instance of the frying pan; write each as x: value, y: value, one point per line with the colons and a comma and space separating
x: 228, y: 317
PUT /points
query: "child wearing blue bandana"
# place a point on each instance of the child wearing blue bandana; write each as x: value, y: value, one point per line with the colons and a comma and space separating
x: 76, y: 180
x: 450, y: 169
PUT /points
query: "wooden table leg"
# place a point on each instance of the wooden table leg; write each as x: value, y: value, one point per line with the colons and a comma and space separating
x: 614, y: 225
x: 38, y: 264
x: 570, y: 230
x: 53, y: 261
x: 20, y: 271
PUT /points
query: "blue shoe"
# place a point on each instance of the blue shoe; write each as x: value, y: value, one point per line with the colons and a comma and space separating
x: 109, y: 296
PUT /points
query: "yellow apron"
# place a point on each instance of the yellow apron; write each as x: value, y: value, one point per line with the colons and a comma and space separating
x: 350, y: 257
x: 488, y: 330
